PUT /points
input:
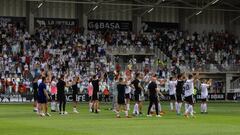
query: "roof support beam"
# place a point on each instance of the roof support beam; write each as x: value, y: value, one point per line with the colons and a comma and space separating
x: 186, y: 3
x: 231, y: 5
x: 201, y: 9
x: 124, y: 10
x: 139, y: 1
x: 137, y: 5
x: 152, y: 8
x: 234, y: 19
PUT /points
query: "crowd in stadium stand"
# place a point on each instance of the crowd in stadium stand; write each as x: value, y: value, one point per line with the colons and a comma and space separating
x: 199, y: 50
x: 60, y: 49
x: 56, y: 49
x: 195, y: 50
x: 52, y: 51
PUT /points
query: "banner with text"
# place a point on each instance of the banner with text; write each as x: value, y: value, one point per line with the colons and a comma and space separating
x: 85, y: 98
x: 109, y: 25
x: 55, y: 22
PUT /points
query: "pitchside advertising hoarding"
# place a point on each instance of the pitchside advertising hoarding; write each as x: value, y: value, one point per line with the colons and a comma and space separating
x: 29, y: 98
x: 85, y: 97
x: 55, y: 22
x: 109, y: 25
x: 158, y: 26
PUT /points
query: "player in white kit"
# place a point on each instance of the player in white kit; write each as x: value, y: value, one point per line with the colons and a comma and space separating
x: 204, y: 95
x: 188, y: 94
x: 128, y: 94
x: 172, y: 92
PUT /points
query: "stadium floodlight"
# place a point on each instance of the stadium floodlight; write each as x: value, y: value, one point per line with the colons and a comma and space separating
x: 214, y: 2
x: 199, y: 12
x: 95, y: 8
x: 40, y: 4
x: 150, y: 10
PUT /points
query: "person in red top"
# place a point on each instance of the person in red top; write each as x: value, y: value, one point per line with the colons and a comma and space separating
x: 118, y: 67
x: 106, y: 94
x: 28, y: 60
x: 46, y: 55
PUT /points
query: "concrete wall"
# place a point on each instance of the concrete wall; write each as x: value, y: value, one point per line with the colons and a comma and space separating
x: 162, y: 15
x: 56, y: 10
x: 16, y: 8
x: 233, y: 21
x: 207, y: 21
x: 104, y: 12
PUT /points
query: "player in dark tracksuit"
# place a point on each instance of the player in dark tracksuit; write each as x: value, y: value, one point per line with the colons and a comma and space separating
x: 43, y: 98
x: 95, y: 96
x: 153, y: 97
x: 137, y: 92
x: 179, y: 93
x: 61, y: 97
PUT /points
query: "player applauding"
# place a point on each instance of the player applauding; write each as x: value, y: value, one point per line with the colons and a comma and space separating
x: 121, y: 98
x: 204, y: 95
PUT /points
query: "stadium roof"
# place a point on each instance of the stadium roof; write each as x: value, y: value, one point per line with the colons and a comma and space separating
x: 219, y: 5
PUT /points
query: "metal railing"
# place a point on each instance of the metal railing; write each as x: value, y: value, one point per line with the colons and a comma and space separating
x: 210, y: 68
x: 130, y: 50
x: 198, y: 68
x: 158, y: 54
x: 235, y: 85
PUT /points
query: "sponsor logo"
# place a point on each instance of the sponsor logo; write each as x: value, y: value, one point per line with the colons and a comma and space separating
x: 103, y: 25
x: 52, y: 22
x: 106, y: 24
x: 80, y: 98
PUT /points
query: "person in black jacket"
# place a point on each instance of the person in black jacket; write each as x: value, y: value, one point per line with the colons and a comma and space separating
x: 153, y: 97
x: 95, y: 96
x: 61, y: 95
x: 179, y: 93
x: 137, y: 93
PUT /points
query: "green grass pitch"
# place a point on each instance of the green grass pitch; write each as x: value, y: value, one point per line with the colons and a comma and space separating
x: 18, y: 119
